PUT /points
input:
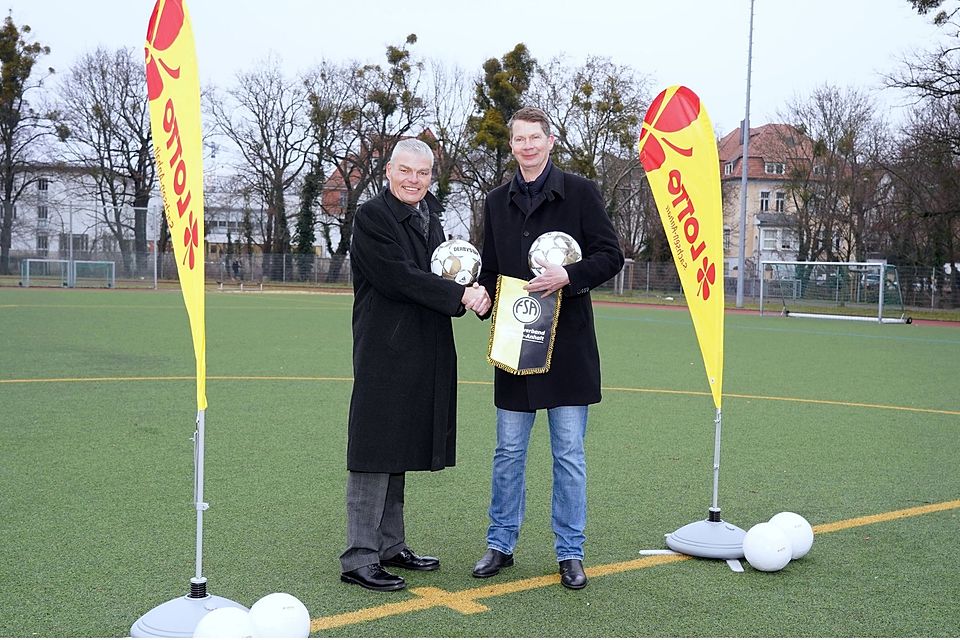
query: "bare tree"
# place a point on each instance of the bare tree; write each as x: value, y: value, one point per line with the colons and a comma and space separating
x: 921, y: 223
x: 596, y: 110
x: 22, y: 127
x: 373, y: 106
x: 104, y: 122
x: 450, y: 107
x: 266, y: 116
x: 831, y: 175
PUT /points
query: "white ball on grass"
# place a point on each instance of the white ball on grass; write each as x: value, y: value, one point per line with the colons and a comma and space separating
x: 224, y: 622
x: 766, y: 547
x: 797, y: 529
x: 280, y: 615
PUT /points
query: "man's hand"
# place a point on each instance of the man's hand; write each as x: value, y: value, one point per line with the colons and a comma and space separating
x: 476, y: 299
x: 553, y: 278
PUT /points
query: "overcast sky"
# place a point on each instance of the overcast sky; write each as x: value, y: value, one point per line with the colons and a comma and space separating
x: 798, y: 44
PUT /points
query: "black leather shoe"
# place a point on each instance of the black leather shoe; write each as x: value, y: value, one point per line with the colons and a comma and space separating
x: 407, y: 559
x: 373, y: 577
x: 491, y: 563
x: 572, y: 575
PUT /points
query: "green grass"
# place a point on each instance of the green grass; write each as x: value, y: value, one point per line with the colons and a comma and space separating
x: 97, y: 524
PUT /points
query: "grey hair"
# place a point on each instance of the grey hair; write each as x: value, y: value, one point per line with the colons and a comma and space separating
x: 414, y: 146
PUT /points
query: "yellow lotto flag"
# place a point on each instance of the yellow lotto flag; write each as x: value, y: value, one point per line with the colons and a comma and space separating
x: 679, y: 153
x: 173, y: 87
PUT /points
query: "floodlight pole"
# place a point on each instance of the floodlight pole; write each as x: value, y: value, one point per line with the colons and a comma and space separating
x: 745, y: 134
x: 70, y: 267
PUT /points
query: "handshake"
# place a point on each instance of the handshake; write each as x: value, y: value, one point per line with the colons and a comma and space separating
x: 476, y: 299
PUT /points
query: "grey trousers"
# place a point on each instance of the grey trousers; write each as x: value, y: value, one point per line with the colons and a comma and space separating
x: 374, y: 518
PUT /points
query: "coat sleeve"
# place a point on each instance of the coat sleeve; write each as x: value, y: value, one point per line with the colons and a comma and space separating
x: 489, y: 266
x: 602, y: 256
x: 376, y: 250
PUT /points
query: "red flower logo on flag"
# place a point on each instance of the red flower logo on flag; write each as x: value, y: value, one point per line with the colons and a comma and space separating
x: 706, y: 276
x: 165, y: 24
x: 191, y: 239
x: 681, y: 110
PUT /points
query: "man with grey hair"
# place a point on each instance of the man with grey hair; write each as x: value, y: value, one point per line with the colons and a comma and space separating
x: 404, y: 405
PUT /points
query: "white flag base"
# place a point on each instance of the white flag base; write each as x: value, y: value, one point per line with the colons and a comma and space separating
x: 179, y: 617
x: 708, y: 539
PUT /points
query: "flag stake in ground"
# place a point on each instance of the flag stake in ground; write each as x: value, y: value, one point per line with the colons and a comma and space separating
x: 679, y: 154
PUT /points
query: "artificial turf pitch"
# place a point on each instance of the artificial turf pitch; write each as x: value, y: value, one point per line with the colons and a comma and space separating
x: 833, y: 420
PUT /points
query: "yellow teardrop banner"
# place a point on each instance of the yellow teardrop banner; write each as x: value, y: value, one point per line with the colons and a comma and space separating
x: 679, y: 154
x: 173, y: 87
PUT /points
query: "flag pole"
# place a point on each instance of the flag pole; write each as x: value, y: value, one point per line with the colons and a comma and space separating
x: 710, y: 538
x: 198, y: 585
x: 173, y: 89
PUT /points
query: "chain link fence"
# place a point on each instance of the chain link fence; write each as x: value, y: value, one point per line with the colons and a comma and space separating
x: 922, y: 287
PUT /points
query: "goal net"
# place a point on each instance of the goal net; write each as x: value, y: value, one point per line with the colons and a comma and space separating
x: 42, y: 272
x: 867, y: 291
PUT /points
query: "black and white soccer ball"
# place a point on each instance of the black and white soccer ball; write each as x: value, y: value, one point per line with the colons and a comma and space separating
x: 555, y: 247
x: 456, y: 260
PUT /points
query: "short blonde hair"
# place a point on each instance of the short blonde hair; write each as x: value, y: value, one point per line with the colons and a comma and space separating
x: 530, y: 114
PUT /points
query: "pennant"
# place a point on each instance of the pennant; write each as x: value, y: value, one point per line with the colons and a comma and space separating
x: 173, y: 87
x: 522, y: 328
x: 679, y: 153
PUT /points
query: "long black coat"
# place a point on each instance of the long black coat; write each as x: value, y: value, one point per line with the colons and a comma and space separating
x: 404, y: 404
x: 573, y: 205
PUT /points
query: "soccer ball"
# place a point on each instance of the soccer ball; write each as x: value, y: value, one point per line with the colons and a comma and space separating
x: 224, y: 622
x: 555, y: 247
x: 766, y: 547
x: 280, y: 615
x: 456, y: 260
x: 797, y: 529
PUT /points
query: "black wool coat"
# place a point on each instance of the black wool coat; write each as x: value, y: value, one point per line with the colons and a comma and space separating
x: 404, y: 403
x: 573, y: 205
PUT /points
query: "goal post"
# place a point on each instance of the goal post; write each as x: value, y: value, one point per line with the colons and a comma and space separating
x: 868, y: 291
x: 49, y: 272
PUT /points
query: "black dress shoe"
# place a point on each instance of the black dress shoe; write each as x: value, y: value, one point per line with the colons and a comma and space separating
x: 572, y: 575
x: 407, y: 559
x: 491, y: 563
x: 373, y: 577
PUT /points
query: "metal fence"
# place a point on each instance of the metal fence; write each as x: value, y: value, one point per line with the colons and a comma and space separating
x: 921, y: 287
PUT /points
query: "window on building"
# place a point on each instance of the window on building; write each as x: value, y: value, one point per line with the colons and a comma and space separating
x: 42, y: 212
x: 768, y: 239
x: 343, y: 199
x: 776, y: 168
x: 818, y: 170
x: 43, y: 244
x: 726, y: 239
x: 80, y: 241
x: 42, y: 184
x: 781, y: 200
x: 764, y: 201
x: 728, y: 168
x: 787, y: 240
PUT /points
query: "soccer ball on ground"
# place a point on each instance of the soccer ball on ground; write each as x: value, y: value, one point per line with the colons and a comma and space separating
x: 766, y: 547
x: 456, y: 260
x: 280, y: 615
x: 555, y: 247
x: 224, y: 622
x: 797, y: 530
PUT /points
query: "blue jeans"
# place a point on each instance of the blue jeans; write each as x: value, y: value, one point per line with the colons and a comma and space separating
x: 568, y: 425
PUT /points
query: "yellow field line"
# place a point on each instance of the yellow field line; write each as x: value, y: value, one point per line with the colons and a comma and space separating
x: 743, y: 396
x: 466, y: 601
x: 839, y: 403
